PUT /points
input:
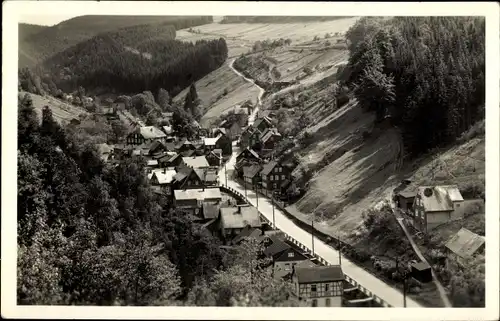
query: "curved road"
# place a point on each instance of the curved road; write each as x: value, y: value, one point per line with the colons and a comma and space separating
x: 367, y: 280
x: 252, y: 116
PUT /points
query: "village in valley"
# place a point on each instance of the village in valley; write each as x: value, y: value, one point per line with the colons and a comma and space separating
x: 214, y: 174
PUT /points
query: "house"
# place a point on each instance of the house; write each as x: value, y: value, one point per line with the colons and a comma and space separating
x: 320, y: 286
x: 465, y: 244
x: 248, y: 154
x: 157, y: 147
x: 207, y: 176
x: 186, y: 178
x: 163, y: 177
x: 195, y: 162
x: 210, y: 211
x: 406, y: 197
x: 169, y: 160
x: 435, y: 205
x: 222, y: 142
x: 269, y: 139
x: 145, y: 134
x: 285, y: 261
x: 234, y: 219
x: 248, y: 232
x: 254, y: 139
x: 273, y: 174
x: 185, y: 145
x: 190, y: 201
x: 214, y: 158
x: 214, y: 132
x: 262, y: 123
x: 251, y: 174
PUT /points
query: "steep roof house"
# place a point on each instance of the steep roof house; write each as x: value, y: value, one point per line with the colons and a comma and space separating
x: 263, y: 123
x: 214, y: 158
x: 187, y: 178
x: 191, y: 201
x: 273, y: 174
x: 435, y: 205
x: 145, y: 134
x: 251, y: 174
x: 320, y: 286
x: 196, y: 162
x: 248, y: 154
x: 164, y: 177
x: 234, y: 219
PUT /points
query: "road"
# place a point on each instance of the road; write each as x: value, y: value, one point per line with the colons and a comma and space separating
x: 252, y: 116
x: 370, y: 282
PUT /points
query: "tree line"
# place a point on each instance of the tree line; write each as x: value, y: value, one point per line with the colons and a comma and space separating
x: 427, y: 74
x: 109, y: 63
x: 92, y: 234
x: 38, y: 46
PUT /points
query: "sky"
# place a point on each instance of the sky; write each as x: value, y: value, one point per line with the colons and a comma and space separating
x: 45, y: 20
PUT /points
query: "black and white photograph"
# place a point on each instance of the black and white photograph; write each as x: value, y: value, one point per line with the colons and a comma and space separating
x: 187, y: 156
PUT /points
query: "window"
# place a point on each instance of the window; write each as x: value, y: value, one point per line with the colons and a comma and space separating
x: 337, y: 289
x: 280, y: 169
x: 277, y: 178
x: 313, y: 287
x: 326, y: 287
x: 271, y: 178
x: 283, y: 177
x: 327, y: 302
x: 314, y: 303
x: 287, y: 266
x: 274, y: 185
x: 458, y: 205
x: 290, y: 254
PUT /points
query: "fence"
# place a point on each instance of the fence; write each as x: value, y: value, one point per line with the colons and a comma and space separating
x: 318, y: 234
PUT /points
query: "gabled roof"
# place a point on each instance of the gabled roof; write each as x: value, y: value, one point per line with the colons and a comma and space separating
x: 210, y: 210
x: 151, y: 132
x: 267, y: 168
x: 249, y: 150
x: 211, y: 141
x: 465, y: 243
x: 268, y: 134
x: 251, y: 171
x: 276, y: 247
x: 261, y: 120
x: 206, y: 175
x: 409, y: 191
x: 284, y: 255
x: 188, y: 153
x: 164, y: 176
x: 285, y: 183
x: 196, y: 161
x: 198, y: 194
x: 247, y: 232
x: 441, y: 199
x: 157, y: 144
x: 230, y: 218
x: 152, y: 162
x: 319, y: 274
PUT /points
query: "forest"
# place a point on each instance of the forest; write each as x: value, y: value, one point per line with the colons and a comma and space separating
x: 425, y: 74
x: 278, y: 19
x: 93, y: 234
x: 38, y: 46
x: 133, y: 60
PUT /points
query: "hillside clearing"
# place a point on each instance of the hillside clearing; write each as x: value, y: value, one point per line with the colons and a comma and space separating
x: 61, y: 111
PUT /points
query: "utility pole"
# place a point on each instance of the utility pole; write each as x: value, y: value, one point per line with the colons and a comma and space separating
x: 340, y: 252
x: 272, y: 202
x: 245, y: 183
x: 225, y: 173
x: 312, y: 234
x: 257, y: 195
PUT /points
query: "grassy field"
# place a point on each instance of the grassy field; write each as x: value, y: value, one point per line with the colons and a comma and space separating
x: 212, y: 87
x: 62, y: 111
x: 242, y: 36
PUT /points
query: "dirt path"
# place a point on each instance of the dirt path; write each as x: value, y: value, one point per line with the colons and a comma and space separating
x: 251, y: 119
x: 442, y: 291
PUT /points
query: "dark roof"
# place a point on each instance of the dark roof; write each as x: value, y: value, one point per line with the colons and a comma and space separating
x: 251, y: 171
x: 319, y: 274
x: 409, y: 191
x: 247, y: 232
x: 154, y: 145
x: 210, y: 210
x: 267, y: 168
x: 421, y: 266
x: 276, y: 247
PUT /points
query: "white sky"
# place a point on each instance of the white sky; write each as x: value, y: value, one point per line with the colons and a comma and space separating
x: 44, y: 20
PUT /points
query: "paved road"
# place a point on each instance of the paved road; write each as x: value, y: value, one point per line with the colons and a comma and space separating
x: 383, y: 290
x: 251, y: 118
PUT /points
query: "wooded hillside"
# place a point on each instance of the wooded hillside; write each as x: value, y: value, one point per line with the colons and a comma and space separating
x: 426, y: 73
x: 51, y: 40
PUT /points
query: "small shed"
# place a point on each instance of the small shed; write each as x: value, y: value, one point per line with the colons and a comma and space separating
x: 405, y: 198
x: 421, y: 271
